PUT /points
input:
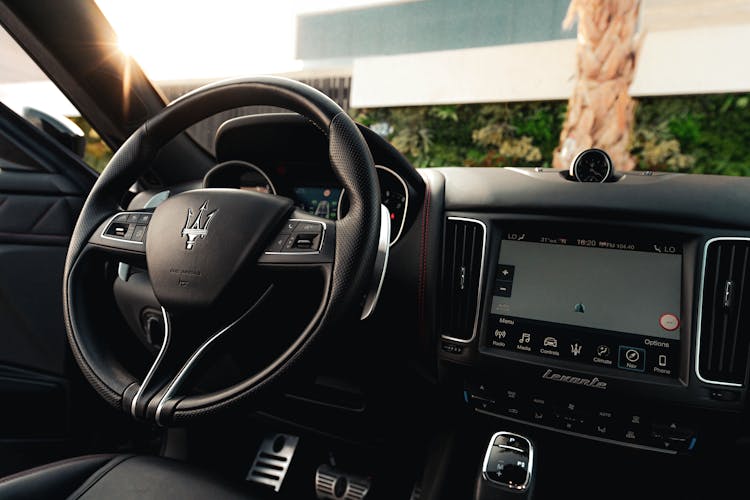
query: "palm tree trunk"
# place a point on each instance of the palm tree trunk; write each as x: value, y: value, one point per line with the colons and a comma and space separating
x: 601, y: 111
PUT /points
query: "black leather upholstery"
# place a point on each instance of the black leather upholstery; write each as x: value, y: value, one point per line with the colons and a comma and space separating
x: 117, y: 476
x: 58, y: 479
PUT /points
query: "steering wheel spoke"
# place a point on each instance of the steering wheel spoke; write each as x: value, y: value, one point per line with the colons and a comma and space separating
x: 179, y: 356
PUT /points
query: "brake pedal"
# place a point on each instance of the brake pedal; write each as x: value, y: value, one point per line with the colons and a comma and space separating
x: 273, y: 459
x: 331, y: 484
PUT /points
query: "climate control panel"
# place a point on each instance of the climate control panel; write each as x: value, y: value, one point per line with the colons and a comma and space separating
x: 604, y: 420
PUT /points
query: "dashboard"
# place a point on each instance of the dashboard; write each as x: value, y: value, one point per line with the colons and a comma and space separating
x: 611, y: 309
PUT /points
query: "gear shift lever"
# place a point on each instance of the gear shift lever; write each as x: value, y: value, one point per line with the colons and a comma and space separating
x: 507, y: 468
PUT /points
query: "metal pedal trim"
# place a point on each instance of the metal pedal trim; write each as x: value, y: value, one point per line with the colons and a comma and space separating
x: 326, y: 479
x: 270, y: 466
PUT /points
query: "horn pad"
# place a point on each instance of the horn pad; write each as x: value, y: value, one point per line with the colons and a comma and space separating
x: 199, y: 240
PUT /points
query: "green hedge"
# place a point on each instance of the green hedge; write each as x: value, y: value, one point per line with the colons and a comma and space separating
x: 701, y: 134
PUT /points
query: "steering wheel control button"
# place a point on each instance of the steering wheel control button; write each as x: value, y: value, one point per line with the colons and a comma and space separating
x: 631, y: 358
x: 308, y: 227
x: 118, y: 230
x: 278, y: 243
x: 289, y: 227
x: 305, y: 237
x: 304, y: 241
x: 669, y: 322
x: 139, y: 233
x: 129, y: 227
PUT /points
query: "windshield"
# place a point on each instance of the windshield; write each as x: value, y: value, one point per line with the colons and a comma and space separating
x: 661, y: 85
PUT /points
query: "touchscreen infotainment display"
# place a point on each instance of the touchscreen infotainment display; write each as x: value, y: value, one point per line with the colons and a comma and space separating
x: 608, y: 302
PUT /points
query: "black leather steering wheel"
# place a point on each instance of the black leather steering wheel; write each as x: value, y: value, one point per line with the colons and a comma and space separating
x: 197, y: 244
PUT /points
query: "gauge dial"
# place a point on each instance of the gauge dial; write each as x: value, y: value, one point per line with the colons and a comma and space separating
x: 254, y: 181
x: 239, y: 174
x: 320, y: 201
x: 592, y: 165
x: 393, y: 194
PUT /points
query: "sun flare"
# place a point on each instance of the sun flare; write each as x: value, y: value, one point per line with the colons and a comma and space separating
x: 194, y: 39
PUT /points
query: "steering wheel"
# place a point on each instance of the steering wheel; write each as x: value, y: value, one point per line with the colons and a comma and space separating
x: 201, y: 249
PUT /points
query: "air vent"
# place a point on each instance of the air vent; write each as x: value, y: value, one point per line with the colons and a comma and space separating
x: 723, y: 337
x: 462, y: 275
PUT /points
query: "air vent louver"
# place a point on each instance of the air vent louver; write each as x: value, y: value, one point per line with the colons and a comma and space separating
x: 725, y: 312
x: 462, y: 274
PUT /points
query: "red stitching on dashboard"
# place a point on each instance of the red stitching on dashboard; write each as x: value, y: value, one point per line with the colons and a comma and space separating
x: 423, y: 274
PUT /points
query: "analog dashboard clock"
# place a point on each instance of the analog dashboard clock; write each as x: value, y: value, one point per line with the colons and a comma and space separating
x: 592, y: 165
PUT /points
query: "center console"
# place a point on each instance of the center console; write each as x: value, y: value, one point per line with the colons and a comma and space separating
x: 629, y: 333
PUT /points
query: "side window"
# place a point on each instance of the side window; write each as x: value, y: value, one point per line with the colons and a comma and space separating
x: 28, y: 92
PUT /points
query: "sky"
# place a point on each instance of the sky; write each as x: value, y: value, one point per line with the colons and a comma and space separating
x: 196, y: 39
x: 214, y: 39
x: 183, y: 39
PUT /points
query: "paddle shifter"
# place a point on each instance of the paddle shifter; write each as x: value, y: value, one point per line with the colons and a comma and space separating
x: 507, y: 468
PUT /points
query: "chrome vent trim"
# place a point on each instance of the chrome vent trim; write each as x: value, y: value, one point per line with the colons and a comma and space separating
x: 479, y: 284
x: 737, y: 330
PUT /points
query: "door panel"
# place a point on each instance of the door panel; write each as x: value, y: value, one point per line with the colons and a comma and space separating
x: 34, y: 368
x: 41, y: 195
x: 37, y: 219
x: 32, y: 333
x: 39, y: 404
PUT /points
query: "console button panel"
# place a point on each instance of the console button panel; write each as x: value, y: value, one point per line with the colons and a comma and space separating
x: 603, y: 420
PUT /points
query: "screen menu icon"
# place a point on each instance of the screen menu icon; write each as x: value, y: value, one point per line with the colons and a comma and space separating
x: 631, y: 358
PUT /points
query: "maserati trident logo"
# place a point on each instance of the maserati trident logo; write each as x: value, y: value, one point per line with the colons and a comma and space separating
x: 197, y: 227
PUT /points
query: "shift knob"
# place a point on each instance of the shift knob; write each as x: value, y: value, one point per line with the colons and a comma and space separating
x: 507, y: 468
